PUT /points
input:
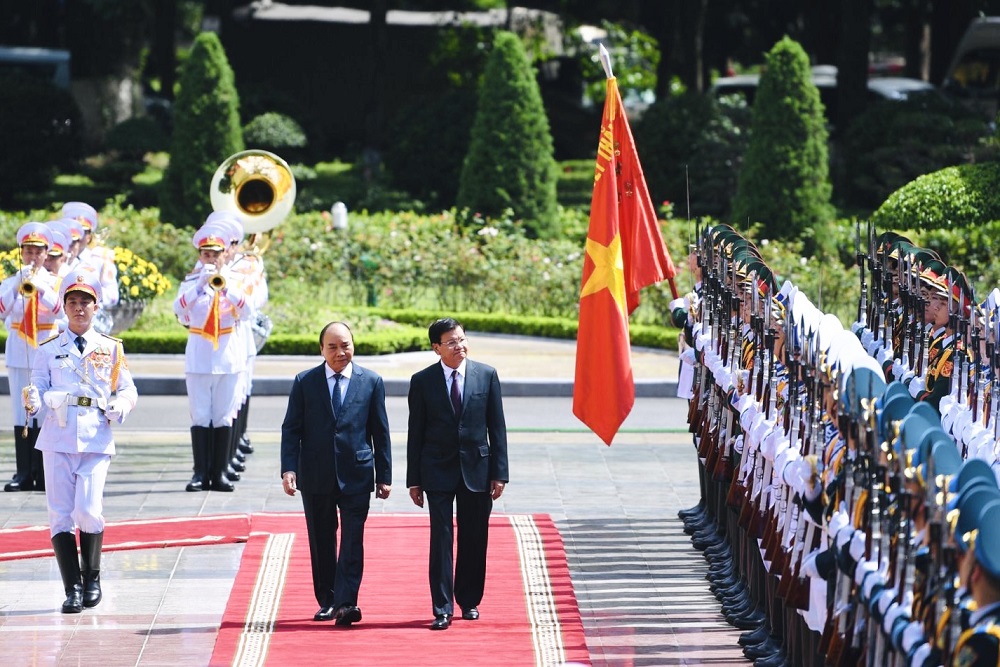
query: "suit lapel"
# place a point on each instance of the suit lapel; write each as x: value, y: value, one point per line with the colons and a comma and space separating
x: 322, y: 388
x: 351, y: 388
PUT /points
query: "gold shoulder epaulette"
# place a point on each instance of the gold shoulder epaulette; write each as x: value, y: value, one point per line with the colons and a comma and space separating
x: 52, y: 337
x: 117, y: 340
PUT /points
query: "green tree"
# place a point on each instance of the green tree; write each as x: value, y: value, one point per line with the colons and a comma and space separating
x: 784, y: 182
x: 511, y: 163
x: 207, y: 130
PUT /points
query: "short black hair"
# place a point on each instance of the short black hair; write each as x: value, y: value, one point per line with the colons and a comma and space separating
x: 330, y: 324
x: 441, y: 327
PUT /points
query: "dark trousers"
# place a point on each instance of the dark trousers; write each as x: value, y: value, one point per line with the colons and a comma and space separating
x: 466, y: 585
x: 336, y: 581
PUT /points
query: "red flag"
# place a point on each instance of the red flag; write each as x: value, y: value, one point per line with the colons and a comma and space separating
x: 624, y: 253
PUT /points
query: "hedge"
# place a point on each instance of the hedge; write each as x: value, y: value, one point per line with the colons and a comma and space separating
x: 402, y: 338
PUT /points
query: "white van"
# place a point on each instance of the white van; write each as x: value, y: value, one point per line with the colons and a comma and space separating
x: 974, y: 73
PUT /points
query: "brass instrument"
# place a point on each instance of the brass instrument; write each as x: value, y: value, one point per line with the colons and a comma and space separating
x: 256, y: 185
x: 27, y: 288
x: 217, y: 281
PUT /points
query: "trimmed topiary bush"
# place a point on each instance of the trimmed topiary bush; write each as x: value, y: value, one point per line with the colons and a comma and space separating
x: 693, y: 141
x: 39, y: 131
x: 784, y: 182
x: 510, y: 163
x: 895, y: 141
x: 277, y: 133
x: 956, y: 197
x: 207, y: 130
x: 135, y: 137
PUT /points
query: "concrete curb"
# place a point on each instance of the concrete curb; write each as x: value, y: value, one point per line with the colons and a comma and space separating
x: 169, y: 385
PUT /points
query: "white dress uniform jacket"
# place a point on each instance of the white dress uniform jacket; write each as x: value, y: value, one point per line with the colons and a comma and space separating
x: 76, y: 387
x: 193, y: 306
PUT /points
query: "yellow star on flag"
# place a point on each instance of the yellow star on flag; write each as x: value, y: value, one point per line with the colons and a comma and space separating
x: 609, y: 271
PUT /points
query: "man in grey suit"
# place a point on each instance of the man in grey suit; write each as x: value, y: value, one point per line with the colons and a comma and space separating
x: 456, y: 453
x: 335, y: 449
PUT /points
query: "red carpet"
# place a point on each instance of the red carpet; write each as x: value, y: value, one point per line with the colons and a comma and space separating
x: 528, y: 615
x: 34, y: 541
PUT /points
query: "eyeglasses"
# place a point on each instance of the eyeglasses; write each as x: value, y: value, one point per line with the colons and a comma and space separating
x: 454, y: 342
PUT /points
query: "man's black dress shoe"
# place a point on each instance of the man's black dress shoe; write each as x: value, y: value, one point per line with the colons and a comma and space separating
x: 348, y: 614
x: 324, y: 614
x: 470, y: 614
x: 441, y: 622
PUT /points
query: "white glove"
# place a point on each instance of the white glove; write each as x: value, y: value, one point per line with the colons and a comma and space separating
x: 838, y: 520
x: 31, y: 399
x: 117, y: 410
x: 809, y: 565
x: 916, y: 385
x: 796, y: 475
x: 857, y: 328
x: 864, y: 566
x: 913, y: 635
x: 689, y: 356
x: 883, y: 354
x: 890, y: 615
x: 898, y: 369
x: 921, y: 655
x: 844, y: 536
x: 857, y: 548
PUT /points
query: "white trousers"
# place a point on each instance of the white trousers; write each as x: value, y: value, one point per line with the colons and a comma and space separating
x: 74, y: 490
x: 213, y: 399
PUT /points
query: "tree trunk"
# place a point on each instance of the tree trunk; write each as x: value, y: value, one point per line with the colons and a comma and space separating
x: 375, y: 98
x: 164, y: 46
x: 852, y: 60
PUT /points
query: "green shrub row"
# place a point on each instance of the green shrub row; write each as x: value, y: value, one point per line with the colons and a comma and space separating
x: 400, y: 338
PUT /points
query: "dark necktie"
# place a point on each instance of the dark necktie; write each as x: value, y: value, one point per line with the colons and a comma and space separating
x: 80, y: 343
x: 336, y: 393
x: 456, y: 395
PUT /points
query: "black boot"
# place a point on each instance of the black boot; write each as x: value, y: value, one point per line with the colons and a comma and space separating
x: 244, y: 441
x: 22, y: 459
x: 64, y: 545
x: 235, y: 467
x: 221, y: 436
x: 90, y: 567
x: 201, y: 450
x: 37, y: 465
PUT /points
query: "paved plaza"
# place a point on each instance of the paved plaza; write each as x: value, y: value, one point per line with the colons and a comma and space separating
x: 639, y: 584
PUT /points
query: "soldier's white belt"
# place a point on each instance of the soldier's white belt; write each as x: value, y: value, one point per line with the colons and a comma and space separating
x: 82, y: 401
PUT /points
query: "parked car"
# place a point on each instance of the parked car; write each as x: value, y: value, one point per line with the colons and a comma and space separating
x: 825, y: 78
x: 974, y: 73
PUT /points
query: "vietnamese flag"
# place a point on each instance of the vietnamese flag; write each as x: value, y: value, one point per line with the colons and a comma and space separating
x: 624, y: 253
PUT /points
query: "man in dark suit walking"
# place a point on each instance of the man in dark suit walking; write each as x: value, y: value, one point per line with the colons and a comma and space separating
x: 335, y: 450
x: 456, y: 453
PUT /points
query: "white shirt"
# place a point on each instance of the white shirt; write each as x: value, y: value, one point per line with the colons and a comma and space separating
x: 345, y: 380
x: 460, y: 378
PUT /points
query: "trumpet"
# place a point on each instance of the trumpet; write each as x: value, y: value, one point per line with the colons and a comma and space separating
x: 27, y: 288
x: 217, y: 281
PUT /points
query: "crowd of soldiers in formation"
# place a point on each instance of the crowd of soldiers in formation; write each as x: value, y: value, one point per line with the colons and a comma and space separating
x: 850, y: 510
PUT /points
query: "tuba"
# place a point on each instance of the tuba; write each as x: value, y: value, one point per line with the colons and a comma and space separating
x: 256, y: 185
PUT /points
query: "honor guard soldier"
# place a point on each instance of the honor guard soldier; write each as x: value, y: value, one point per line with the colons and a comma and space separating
x: 83, y: 379
x: 980, y: 644
x: 30, y: 307
x: 210, y: 302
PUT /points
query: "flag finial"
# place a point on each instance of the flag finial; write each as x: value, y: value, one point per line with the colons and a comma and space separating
x: 606, y: 61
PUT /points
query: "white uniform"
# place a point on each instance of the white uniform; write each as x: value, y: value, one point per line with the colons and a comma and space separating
x: 21, y: 342
x: 76, y: 438
x: 213, y: 358
x: 101, y: 260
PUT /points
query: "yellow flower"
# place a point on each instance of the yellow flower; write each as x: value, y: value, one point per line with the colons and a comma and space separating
x: 134, y: 291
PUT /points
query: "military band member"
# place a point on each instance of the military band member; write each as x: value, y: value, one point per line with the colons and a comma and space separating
x: 82, y: 377
x: 100, y: 258
x: 30, y: 307
x: 210, y: 302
